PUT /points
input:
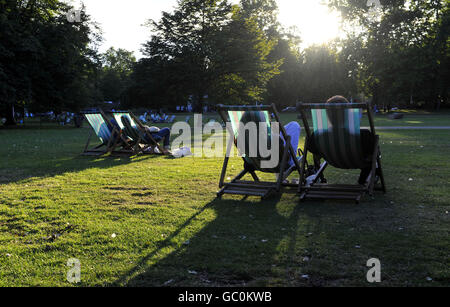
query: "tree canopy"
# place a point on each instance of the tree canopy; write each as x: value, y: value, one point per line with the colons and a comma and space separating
x: 207, y: 49
x: 46, y: 62
x: 212, y: 51
x: 401, y: 53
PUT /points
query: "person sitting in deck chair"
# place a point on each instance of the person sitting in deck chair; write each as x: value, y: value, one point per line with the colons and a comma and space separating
x: 367, y: 142
x: 292, y: 129
x: 156, y: 134
x: 160, y: 135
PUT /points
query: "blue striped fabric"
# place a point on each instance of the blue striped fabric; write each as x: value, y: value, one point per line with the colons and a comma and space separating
x: 100, y: 127
x: 337, y: 137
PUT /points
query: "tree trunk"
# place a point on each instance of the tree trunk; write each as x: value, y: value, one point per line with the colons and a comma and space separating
x: 10, y: 116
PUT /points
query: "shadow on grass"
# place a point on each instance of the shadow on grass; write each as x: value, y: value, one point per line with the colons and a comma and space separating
x: 274, y: 243
x: 35, y: 151
x: 238, y: 248
x: 54, y: 167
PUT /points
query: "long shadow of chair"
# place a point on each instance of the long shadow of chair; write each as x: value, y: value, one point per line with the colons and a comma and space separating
x: 218, y: 255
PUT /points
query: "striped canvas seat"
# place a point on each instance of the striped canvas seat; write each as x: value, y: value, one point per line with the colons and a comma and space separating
x: 135, y: 130
x: 238, y: 118
x: 337, y: 137
x: 109, y: 135
x: 100, y: 127
x: 130, y: 127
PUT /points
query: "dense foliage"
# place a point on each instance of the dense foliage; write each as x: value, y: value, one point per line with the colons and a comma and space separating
x: 46, y: 61
x: 210, y: 52
x: 401, y: 51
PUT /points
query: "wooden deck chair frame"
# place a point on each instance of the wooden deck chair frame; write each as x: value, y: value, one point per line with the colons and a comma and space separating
x: 139, y: 146
x: 112, y: 143
x: 316, y: 190
x: 256, y: 187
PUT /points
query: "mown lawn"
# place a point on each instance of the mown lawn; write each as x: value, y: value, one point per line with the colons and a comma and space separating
x: 410, y: 119
x: 154, y: 221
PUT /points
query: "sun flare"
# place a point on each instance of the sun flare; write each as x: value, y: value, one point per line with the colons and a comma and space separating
x: 122, y: 23
x: 315, y: 22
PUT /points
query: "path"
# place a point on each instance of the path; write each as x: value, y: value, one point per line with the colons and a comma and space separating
x: 412, y: 128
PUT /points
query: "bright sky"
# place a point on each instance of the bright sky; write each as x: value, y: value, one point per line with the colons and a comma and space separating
x: 121, y: 21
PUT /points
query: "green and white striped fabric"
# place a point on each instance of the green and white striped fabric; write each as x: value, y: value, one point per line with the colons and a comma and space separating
x: 130, y: 127
x: 337, y: 137
x: 130, y: 130
x: 118, y: 118
x: 100, y: 126
x: 244, y: 117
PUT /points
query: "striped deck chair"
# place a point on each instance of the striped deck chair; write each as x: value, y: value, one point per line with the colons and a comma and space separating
x: 253, y: 163
x: 105, y: 131
x: 134, y: 129
x: 336, y: 134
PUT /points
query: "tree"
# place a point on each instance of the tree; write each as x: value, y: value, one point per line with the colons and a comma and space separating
x: 286, y: 88
x: 46, y: 62
x: 265, y: 12
x: 118, y: 65
x: 323, y: 75
x: 402, y: 54
x: 210, y: 48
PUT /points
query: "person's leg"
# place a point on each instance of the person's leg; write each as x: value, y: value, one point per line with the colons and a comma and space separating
x: 312, y: 145
x: 163, y: 134
x: 367, y: 144
x: 293, y: 129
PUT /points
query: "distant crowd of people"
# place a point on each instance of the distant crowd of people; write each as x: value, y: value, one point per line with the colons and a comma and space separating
x: 156, y: 118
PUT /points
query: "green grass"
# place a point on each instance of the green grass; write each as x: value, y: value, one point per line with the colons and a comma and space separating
x: 170, y: 229
x: 418, y: 119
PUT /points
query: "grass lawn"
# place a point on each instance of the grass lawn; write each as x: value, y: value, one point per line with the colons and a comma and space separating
x: 416, y: 119
x: 154, y: 221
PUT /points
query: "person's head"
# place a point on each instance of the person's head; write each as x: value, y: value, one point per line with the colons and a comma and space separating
x: 125, y: 121
x: 338, y: 99
x: 336, y: 117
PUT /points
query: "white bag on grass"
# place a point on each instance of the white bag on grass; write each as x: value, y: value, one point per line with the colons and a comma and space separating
x: 182, y: 152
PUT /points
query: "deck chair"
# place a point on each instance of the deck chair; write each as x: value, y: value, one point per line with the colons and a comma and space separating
x: 171, y: 119
x: 135, y: 130
x: 109, y: 135
x: 336, y: 133
x: 237, y: 186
